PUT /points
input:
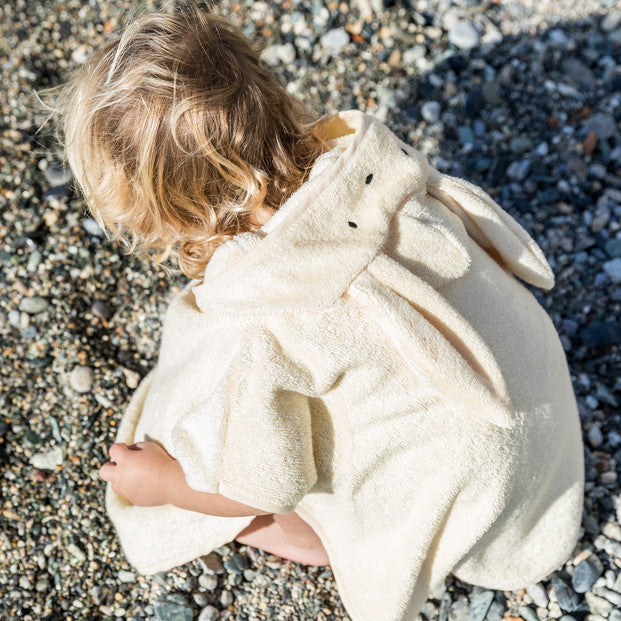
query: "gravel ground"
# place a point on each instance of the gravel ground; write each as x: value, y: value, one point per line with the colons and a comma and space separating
x: 522, y: 98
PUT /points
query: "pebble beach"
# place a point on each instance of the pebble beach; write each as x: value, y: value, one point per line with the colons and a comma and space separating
x: 522, y: 98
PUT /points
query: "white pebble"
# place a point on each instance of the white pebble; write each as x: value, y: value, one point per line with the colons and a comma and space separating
x: 430, y: 111
x: 464, y: 35
x: 613, y: 269
x: 594, y: 436
x: 334, y: 40
x: 81, y: 379
x: 47, y: 460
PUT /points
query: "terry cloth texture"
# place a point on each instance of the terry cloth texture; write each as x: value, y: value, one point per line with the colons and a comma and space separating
x: 370, y: 360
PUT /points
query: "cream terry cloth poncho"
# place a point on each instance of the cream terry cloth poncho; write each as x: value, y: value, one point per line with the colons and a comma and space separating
x: 369, y: 359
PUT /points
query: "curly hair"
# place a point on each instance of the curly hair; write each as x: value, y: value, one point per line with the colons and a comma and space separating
x: 176, y: 134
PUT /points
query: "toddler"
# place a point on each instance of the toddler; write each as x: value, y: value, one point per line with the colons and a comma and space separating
x: 354, y: 374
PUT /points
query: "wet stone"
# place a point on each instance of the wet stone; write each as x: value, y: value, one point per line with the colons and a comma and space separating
x: 212, y: 562
x: 101, y: 309
x: 495, y: 612
x: 430, y: 111
x: 208, y: 581
x: 173, y: 607
x: 566, y: 598
x: 464, y: 35
x: 613, y: 248
x: 538, y: 594
x: 528, y: 614
x: 209, y: 613
x: 236, y: 563
x: 603, y: 125
x: 613, y: 269
x: 600, y: 333
x: 480, y: 604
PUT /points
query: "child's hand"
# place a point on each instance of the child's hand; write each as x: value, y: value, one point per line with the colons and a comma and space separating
x: 137, y: 472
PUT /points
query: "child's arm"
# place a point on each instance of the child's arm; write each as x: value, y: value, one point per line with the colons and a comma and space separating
x: 147, y: 476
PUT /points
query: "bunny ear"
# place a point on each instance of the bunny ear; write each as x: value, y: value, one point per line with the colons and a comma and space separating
x: 492, y: 228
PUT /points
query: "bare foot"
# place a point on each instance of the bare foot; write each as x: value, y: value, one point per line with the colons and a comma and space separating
x: 264, y: 533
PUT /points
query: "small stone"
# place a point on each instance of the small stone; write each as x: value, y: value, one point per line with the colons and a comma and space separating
x: 613, y: 269
x: 24, y: 583
x: 597, y: 605
x: 430, y: 111
x: 465, y: 134
x: 236, y: 563
x: 459, y: 611
x: 76, y: 552
x: 15, y: 318
x: 579, y: 72
x: 495, y: 612
x: 33, y: 305
x: 57, y: 193
x: 519, y: 170
x: 275, y: 54
x: 603, y: 394
x: 602, y: 124
x: 520, y: 144
x: 491, y: 93
x: 212, y: 562
x: 611, y: 21
x: 335, y: 40
x: 208, y: 581
x: 595, y: 436
x: 538, y: 594
x: 56, y: 174
x: 613, y: 248
x: 565, y: 597
x: 126, y: 576
x: 584, y: 577
x: 92, y: 228
x: 47, y: 460
x: 209, y: 613
x: 101, y: 309
x: 33, y: 261
x: 528, y: 614
x: 480, y: 604
x: 600, y: 333
x: 132, y: 379
x: 463, y: 35
x: 43, y: 585
x: 172, y: 607
x: 81, y: 379
x: 612, y: 530
x: 226, y: 598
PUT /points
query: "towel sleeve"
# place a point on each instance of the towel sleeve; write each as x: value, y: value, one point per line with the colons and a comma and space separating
x: 250, y: 438
x: 492, y: 228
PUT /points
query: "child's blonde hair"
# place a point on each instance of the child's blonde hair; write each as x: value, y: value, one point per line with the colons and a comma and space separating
x: 176, y: 133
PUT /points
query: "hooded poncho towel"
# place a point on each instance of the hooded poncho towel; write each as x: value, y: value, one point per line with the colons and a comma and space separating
x: 370, y: 360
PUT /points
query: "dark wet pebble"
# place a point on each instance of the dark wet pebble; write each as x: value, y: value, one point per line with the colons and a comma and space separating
x: 566, y: 598
x: 173, y: 607
x: 584, y: 577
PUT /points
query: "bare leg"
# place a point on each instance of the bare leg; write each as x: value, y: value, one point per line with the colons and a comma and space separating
x: 266, y: 533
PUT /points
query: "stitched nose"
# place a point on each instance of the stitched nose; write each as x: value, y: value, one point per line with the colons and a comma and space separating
x: 352, y: 224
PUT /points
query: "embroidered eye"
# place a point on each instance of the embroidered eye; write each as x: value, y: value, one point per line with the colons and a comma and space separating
x: 369, y: 179
x: 404, y: 151
x: 353, y: 225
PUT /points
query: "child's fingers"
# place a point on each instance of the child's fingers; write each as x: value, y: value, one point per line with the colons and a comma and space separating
x: 106, y: 472
x: 117, y: 451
